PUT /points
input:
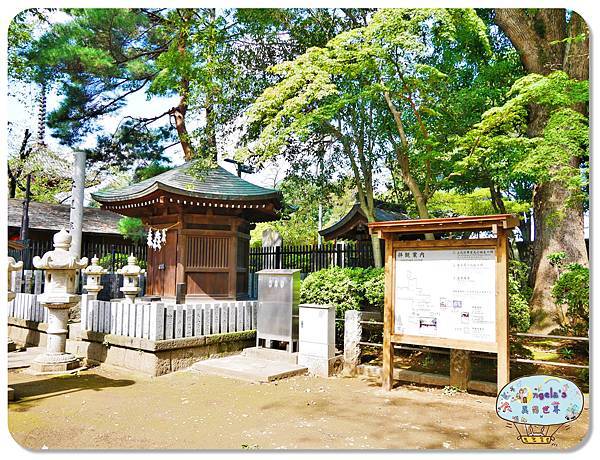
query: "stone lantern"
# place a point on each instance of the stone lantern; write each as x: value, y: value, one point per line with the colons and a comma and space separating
x: 59, y: 295
x: 131, y: 273
x: 94, y: 274
x: 12, y: 266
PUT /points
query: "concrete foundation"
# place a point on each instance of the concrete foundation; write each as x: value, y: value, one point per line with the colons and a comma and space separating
x: 249, y: 369
x: 27, y: 333
x: 156, y: 358
x: 320, y: 366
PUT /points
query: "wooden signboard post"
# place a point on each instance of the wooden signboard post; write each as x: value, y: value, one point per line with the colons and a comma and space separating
x: 450, y: 293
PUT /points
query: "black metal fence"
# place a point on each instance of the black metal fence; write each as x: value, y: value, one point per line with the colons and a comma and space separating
x: 311, y: 258
x: 112, y: 253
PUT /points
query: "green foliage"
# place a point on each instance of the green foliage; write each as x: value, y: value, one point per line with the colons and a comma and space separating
x: 132, y: 228
x: 572, y: 289
x: 302, y: 195
x: 345, y: 288
x: 477, y: 203
x: 499, y: 149
x: 389, y: 94
x: 557, y: 259
x: 153, y: 169
x: 519, y: 294
x: 120, y: 261
x: 131, y: 145
x: 21, y: 32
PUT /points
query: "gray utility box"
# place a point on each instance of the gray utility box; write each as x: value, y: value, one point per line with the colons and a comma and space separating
x: 277, y: 312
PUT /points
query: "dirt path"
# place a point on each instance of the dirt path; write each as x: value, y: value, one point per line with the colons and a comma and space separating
x: 106, y: 408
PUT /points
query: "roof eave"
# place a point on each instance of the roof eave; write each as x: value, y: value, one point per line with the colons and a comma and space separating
x: 276, y: 195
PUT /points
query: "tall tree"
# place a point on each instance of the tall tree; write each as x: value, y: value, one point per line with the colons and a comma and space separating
x: 210, y: 60
x: 386, y: 87
x: 548, y: 40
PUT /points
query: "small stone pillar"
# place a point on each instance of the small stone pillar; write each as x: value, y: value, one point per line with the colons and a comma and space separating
x: 460, y: 369
x: 93, y: 274
x: 59, y: 295
x: 12, y: 266
x: 316, y: 348
x: 130, y: 273
x: 352, y: 338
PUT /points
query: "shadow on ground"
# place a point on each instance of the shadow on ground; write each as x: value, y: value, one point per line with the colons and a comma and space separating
x: 27, y: 393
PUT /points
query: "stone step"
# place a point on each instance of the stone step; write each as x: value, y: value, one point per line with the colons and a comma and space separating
x: 248, y: 369
x: 11, y: 394
x: 271, y: 354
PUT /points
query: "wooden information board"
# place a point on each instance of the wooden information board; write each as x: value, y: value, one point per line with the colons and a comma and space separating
x: 450, y: 293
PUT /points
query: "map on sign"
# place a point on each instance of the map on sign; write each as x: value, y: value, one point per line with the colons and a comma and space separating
x: 446, y: 293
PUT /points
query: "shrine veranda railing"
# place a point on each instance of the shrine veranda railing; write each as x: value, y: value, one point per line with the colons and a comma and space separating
x: 162, y: 321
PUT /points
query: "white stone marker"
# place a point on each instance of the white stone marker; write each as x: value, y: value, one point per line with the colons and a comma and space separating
x: 93, y: 277
x: 12, y: 267
x: 59, y: 295
x: 316, y: 348
x: 130, y: 273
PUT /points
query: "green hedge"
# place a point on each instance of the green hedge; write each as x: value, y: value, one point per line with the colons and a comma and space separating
x: 573, y: 290
x: 346, y: 288
x: 120, y: 261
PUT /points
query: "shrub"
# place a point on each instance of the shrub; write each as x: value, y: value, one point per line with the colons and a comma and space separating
x: 132, y: 228
x: 120, y: 261
x: 519, y: 293
x: 346, y: 288
x: 572, y: 289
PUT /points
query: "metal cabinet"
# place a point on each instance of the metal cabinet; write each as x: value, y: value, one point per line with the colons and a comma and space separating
x: 278, y: 300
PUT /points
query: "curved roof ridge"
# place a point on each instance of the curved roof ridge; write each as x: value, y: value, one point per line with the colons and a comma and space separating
x: 217, y: 184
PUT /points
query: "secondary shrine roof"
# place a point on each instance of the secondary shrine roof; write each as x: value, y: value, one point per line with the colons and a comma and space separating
x: 217, y: 184
x: 346, y: 227
x: 449, y: 224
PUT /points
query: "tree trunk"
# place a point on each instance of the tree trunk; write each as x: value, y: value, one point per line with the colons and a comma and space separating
x: 182, y: 133
x: 553, y: 233
x: 376, y: 244
x: 558, y: 228
x: 180, y: 110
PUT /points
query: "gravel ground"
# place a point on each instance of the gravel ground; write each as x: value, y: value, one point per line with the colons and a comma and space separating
x: 105, y: 408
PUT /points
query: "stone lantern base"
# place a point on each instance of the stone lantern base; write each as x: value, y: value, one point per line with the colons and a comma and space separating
x: 55, y: 363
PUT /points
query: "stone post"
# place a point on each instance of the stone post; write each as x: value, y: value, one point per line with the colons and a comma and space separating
x: 460, y: 369
x: 59, y: 295
x: 12, y: 266
x: 93, y: 274
x: 130, y: 273
x: 352, y: 337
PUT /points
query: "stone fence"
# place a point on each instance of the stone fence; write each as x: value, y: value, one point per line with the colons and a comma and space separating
x: 27, y: 307
x: 163, y: 321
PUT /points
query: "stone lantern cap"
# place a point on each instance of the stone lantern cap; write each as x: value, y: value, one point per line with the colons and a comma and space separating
x: 60, y: 266
x: 132, y: 268
x: 95, y: 269
x: 60, y: 258
x: 14, y: 266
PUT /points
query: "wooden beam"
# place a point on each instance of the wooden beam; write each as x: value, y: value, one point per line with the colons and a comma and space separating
x: 502, y: 309
x: 387, y: 376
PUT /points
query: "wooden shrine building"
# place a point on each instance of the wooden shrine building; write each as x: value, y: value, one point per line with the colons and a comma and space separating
x: 207, y: 222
